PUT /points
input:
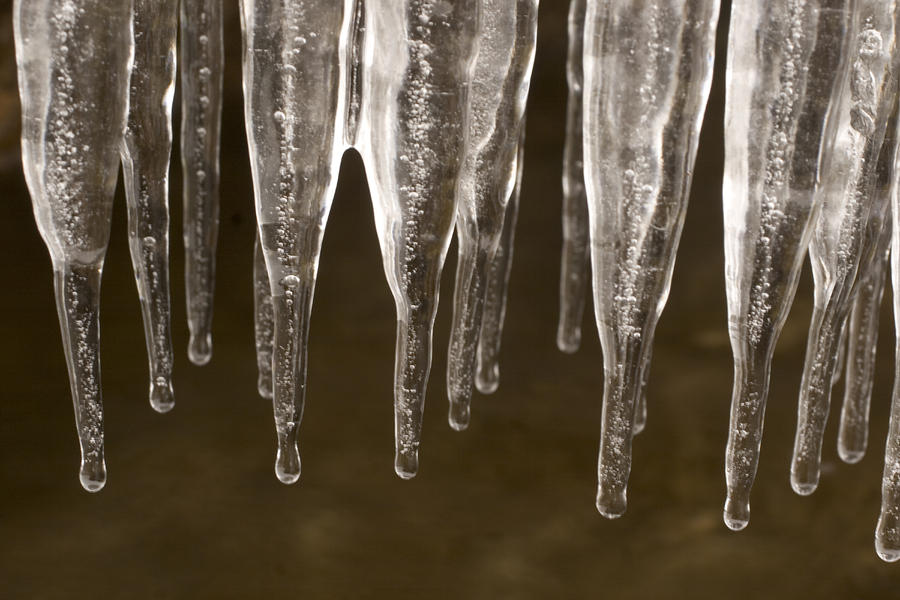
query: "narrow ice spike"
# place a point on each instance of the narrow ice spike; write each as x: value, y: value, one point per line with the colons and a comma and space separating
x: 487, y: 374
x: 639, y: 151
x: 202, y: 66
x: 502, y: 76
x: 145, y: 164
x: 263, y: 322
x: 417, y: 74
x: 74, y: 107
x: 850, y: 222
x: 863, y: 327
x: 575, y: 265
x: 783, y: 76
x: 294, y: 96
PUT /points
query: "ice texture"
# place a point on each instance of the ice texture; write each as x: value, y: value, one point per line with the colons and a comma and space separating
x: 202, y: 66
x: 850, y: 222
x: 783, y: 78
x: 294, y: 91
x: 497, y: 98
x: 74, y: 62
x: 416, y: 76
x: 263, y: 321
x: 647, y: 69
x: 145, y: 164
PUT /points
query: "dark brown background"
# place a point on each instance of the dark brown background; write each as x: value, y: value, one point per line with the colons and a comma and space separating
x: 192, y: 508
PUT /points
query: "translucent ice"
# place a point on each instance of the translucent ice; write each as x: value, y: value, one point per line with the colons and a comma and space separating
x: 263, y: 321
x: 145, y: 163
x: 502, y: 76
x: 639, y: 151
x: 783, y: 77
x: 202, y: 57
x: 74, y: 108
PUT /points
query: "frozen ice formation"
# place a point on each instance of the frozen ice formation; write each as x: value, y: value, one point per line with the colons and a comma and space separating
x: 74, y: 109
x: 499, y: 90
x: 850, y: 221
x: 783, y: 79
x: 202, y: 57
x: 263, y: 321
x: 145, y: 164
x: 639, y: 151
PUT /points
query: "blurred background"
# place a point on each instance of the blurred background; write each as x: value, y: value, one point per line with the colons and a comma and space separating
x: 192, y: 508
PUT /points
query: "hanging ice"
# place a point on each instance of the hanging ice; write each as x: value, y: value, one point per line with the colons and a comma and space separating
x: 416, y: 79
x: 783, y: 75
x: 145, y: 164
x: 74, y: 106
x: 850, y: 223
x: 202, y: 57
x: 639, y: 154
x: 263, y: 321
x: 294, y: 99
x: 500, y: 82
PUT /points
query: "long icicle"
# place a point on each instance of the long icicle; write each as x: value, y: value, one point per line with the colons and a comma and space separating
x: 417, y: 74
x: 74, y: 110
x: 295, y: 52
x: 502, y: 77
x: 639, y: 155
x: 145, y: 164
x: 784, y: 74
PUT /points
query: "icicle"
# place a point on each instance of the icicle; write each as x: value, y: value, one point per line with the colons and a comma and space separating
x: 783, y: 74
x: 263, y: 322
x: 416, y: 78
x: 841, y: 359
x: 145, y: 164
x: 863, y: 333
x: 639, y: 156
x: 850, y: 223
x: 575, y: 268
x: 502, y: 76
x: 294, y: 103
x: 74, y: 107
x: 202, y: 58
x: 487, y: 374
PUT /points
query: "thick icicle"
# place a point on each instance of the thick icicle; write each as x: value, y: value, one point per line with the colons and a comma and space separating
x: 74, y: 107
x: 575, y: 267
x: 202, y: 65
x: 263, y: 321
x: 487, y: 374
x: 294, y: 103
x: 145, y: 164
x: 849, y: 226
x: 639, y: 154
x: 784, y: 72
x: 853, y: 433
x: 502, y: 76
x: 419, y: 56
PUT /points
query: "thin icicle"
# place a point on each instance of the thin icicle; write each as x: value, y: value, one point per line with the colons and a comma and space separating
x: 74, y: 109
x: 263, y: 321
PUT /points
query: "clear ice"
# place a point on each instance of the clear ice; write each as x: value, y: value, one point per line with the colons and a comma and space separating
x: 639, y: 151
x: 145, y: 164
x: 784, y: 75
x: 499, y: 90
x: 202, y: 64
x: 74, y: 110
x: 850, y: 221
x: 263, y: 321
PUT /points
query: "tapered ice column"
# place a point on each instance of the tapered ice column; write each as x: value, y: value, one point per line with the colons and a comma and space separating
x: 575, y: 265
x: 487, y: 373
x: 417, y: 70
x: 853, y: 433
x: 145, y: 164
x: 74, y: 106
x: 850, y: 223
x: 263, y: 321
x: 639, y: 155
x: 294, y: 102
x: 497, y: 100
x: 784, y: 73
x: 202, y: 66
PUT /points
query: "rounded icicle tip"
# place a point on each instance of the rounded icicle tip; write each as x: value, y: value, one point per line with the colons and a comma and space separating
x: 611, y: 505
x: 487, y: 378
x: 406, y: 464
x: 287, y: 466
x: 162, y: 396
x: 93, y: 475
x: 460, y: 415
x: 200, y: 349
x: 736, y: 517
